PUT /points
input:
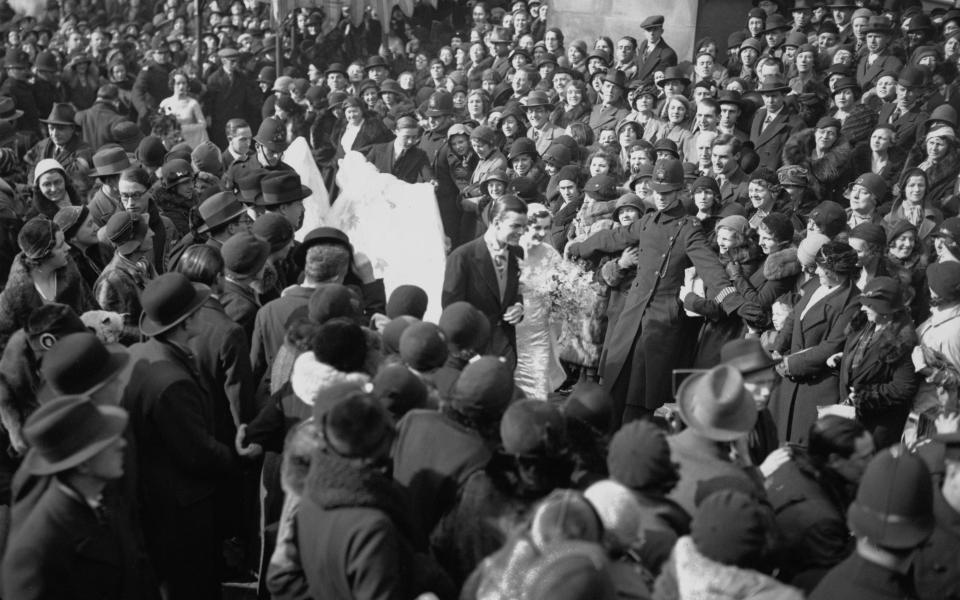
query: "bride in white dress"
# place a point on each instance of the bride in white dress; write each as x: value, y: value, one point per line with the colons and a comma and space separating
x: 185, y: 109
x: 538, y: 371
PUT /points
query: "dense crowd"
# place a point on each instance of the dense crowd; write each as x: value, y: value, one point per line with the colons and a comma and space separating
x: 698, y: 335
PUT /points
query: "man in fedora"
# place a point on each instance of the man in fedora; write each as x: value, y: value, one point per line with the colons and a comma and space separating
x: 108, y: 163
x: 891, y: 517
x: 180, y: 459
x: 653, y: 54
x: 842, y: 11
x: 230, y: 95
x: 401, y: 157
x: 877, y: 58
x: 268, y: 147
x: 541, y: 130
x: 906, y: 113
x: 649, y: 339
x: 17, y: 86
x: 500, y: 39
x: 77, y: 540
x: 95, y: 122
x: 222, y: 216
x: 612, y: 107
x: 244, y: 258
x: 283, y: 193
x: 774, y: 123
x: 64, y: 145
x: 719, y: 414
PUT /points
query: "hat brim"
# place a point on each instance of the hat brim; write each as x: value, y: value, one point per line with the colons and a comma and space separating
x: 889, y: 531
x: 107, y: 172
x: 150, y: 328
x: 303, y: 194
x: 433, y: 112
x: 667, y: 187
x: 782, y: 89
x: 546, y: 105
x: 113, y: 423
x: 57, y: 122
x: 742, y: 423
x: 205, y: 227
x: 300, y: 251
x: 17, y: 113
x: 881, y: 306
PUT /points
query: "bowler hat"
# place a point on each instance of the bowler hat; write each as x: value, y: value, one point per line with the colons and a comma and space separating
x: 320, y: 235
x: 61, y: 114
x: 878, y: 24
x: 730, y: 97
x: 8, y: 109
x: 772, y: 84
x: 335, y: 68
x: 674, y: 74
x: 883, y: 295
x: 168, y: 300
x: 667, y: 176
x: 533, y: 428
x: 272, y: 134
x: 244, y: 254
x: 219, y: 209
x: 68, y: 431
x: 667, y: 145
x: 911, y: 77
x: 617, y: 78
x: 80, y: 363
x: 150, y: 152
x: 269, y: 75
x: 376, y: 61
x: 716, y: 405
x: 126, y: 231
x: 894, y: 504
x: 111, y: 160
x: 283, y: 187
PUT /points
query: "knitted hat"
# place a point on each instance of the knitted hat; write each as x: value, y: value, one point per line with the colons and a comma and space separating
x: 639, y: 457
x: 390, y: 336
x: 730, y: 528
x: 564, y: 515
x: 206, y: 157
x: 407, y: 300
x: 399, y: 389
x: 809, y: 247
x: 329, y: 301
x: 465, y: 327
x: 533, y: 428
x: 779, y: 225
x: 423, y: 347
x: 484, y: 389
x: 871, y: 233
x: 619, y: 511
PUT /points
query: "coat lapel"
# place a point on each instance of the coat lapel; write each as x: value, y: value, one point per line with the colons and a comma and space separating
x: 486, y: 270
x: 771, y: 129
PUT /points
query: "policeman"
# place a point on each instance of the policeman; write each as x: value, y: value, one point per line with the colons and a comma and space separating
x: 268, y: 146
x: 650, y: 339
x: 937, y: 566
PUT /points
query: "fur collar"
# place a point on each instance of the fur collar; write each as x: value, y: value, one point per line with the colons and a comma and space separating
x: 334, y: 482
x: 20, y: 297
x: 893, y: 342
x: 699, y: 577
x: 799, y: 151
x: 782, y: 264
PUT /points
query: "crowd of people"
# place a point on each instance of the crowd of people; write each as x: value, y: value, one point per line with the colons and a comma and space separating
x: 698, y: 334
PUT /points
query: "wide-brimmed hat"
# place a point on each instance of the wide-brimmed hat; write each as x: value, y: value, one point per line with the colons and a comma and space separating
x: 168, y: 300
x: 878, y: 24
x: 538, y: 98
x: 716, y: 405
x: 8, y: 109
x: 674, y: 74
x: 283, y: 188
x: 111, y: 160
x: 730, y: 97
x: 776, y: 22
x: 218, y: 209
x: 61, y: 114
x: 69, y: 430
x: 772, y: 84
x: 617, y: 78
x: 79, y: 363
x: 746, y: 356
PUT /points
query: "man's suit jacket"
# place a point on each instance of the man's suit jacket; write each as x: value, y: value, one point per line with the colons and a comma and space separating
x: 734, y: 188
x: 661, y: 57
x: 906, y: 127
x: 867, y: 74
x: 413, y: 166
x: 769, y: 143
x: 95, y: 124
x: 543, y: 138
x: 471, y: 277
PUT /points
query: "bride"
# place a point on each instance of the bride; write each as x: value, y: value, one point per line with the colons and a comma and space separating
x: 185, y: 109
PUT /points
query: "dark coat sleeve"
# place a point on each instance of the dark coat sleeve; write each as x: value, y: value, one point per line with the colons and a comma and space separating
x: 178, y: 416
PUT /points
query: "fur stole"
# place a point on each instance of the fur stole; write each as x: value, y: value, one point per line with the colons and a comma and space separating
x: 781, y: 265
x: 19, y: 382
x: 799, y: 149
x: 20, y: 297
x: 893, y: 342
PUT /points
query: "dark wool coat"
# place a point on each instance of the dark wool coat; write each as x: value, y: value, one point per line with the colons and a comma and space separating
x: 769, y: 143
x: 413, y: 166
x: 470, y: 276
x: 807, y: 343
x: 19, y: 298
x: 859, y: 578
x: 241, y: 304
x: 829, y: 173
x: 65, y: 550
x: 885, y: 380
x: 776, y: 277
x: 941, y: 179
x: 937, y: 565
x: 356, y: 536
x: 639, y: 355
x: 908, y: 128
x: 861, y: 162
x: 810, y: 513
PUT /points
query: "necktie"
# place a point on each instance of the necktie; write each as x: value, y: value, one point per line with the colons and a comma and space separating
x: 894, y: 116
x: 766, y: 121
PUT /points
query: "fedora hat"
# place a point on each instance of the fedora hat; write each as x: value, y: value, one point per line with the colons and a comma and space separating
x: 8, y: 109
x: 716, y: 405
x: 911, y: 77
x: 61, y: 114
x: 746, y: 356
x: 219, y: 209
x: 674, y: 74
x: 283, y: 188
x: 111, y: 160
x: 335, y: 68
x: 878, y: 24
x: 389, y: 86
x: 272, y: 134
x: 776, y: 22
x: 168, y: 300
x: 79, y: 363
x: 617, y: 78
x: 500, y: 35
x: 730, y: 97
x: 772, y: 84
x: 68, y: 431
x: 538, y: 98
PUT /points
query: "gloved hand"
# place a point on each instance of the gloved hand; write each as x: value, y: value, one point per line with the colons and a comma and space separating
x: 750, y: 312
x: 733, y: 269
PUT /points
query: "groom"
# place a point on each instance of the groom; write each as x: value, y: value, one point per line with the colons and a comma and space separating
x: 486, y: 273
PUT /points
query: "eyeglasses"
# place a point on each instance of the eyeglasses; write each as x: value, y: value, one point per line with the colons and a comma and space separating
x: 133, y: 196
